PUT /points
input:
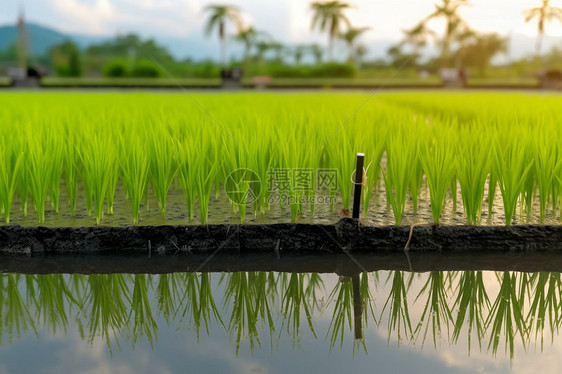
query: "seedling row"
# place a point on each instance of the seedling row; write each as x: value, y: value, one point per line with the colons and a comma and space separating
x: 481, y: 147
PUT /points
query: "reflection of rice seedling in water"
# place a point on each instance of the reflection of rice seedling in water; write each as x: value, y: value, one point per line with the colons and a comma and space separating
x: 258, y: 304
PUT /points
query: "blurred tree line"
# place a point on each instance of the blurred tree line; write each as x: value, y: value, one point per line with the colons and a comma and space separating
x: 459, y: 46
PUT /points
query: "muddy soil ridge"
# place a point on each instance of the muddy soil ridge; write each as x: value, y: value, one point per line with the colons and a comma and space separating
x: 347, y: 235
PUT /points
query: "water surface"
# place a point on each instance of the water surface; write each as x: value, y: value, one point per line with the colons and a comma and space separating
x: 385, y: 321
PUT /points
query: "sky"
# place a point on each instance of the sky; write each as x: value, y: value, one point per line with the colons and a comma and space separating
x: 287, y: 20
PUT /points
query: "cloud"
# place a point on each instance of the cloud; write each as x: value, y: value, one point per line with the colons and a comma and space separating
x: 147, y: 17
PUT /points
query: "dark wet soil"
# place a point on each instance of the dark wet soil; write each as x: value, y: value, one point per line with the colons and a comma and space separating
x: 347, y: 235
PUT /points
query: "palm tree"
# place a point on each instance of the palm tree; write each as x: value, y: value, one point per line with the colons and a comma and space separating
x: 482, y: 48
x: 317, y: 52
x: 350, y: 36
x: 248, y: 37
x: 360, y: 51
x: 463, y: 38
x: 278, y: 49
x: 416, y: 37
x: 298, y: 52
x: 262, y: 47
x: 448, y: 9
x: 328, y: 16
x: 544, y: 13
x: 219, y: 16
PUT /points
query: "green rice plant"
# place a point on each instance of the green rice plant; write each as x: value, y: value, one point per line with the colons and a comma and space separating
x: 70, y: 174
x: 438, y: 160
x: 401, y: 153
x: 163, y: 167
x: 114, y: 172
x: 261, y: 164
x: 529, y: 188
x: 416, y: 180
x: 186, y: 156
x: 206, y: 173
x: 282, y: 131
x: 492, y: 187
x: 99, y: 159
x: 343, y: 156
x: 237, y: 173
x: 512, y: 167
x: 453, y: 190
x: 290, y: 163
x: 40, y: 172
x: 23, y: 185
x: 374, y: 149
x: 58, y: 157
x: 547, y: 163
x: 473, y: 167
x: 134, y: 168
x: 10, y: 170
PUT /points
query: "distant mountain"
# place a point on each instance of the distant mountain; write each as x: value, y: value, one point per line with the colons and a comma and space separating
x: 41, y: 38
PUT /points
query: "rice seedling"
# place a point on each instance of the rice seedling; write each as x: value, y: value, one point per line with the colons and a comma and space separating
x: 373, y: 157
x: 71, y: 176
x: 505, y: 141
x: 10, y: 169
x: 134, y: 168
x: 473, y: 167
x: 437, y: 159
x: 186, y: 156
x: 163, y: 167
x: 547, y: 163
x: 99, y: 158
x: 401, y: 153
x: 39, y: 169
x: 512, y: 166
x: 206, y: 171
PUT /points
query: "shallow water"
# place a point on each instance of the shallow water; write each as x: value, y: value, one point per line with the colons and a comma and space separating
x: 386, y: 321
x: 222, y: 212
